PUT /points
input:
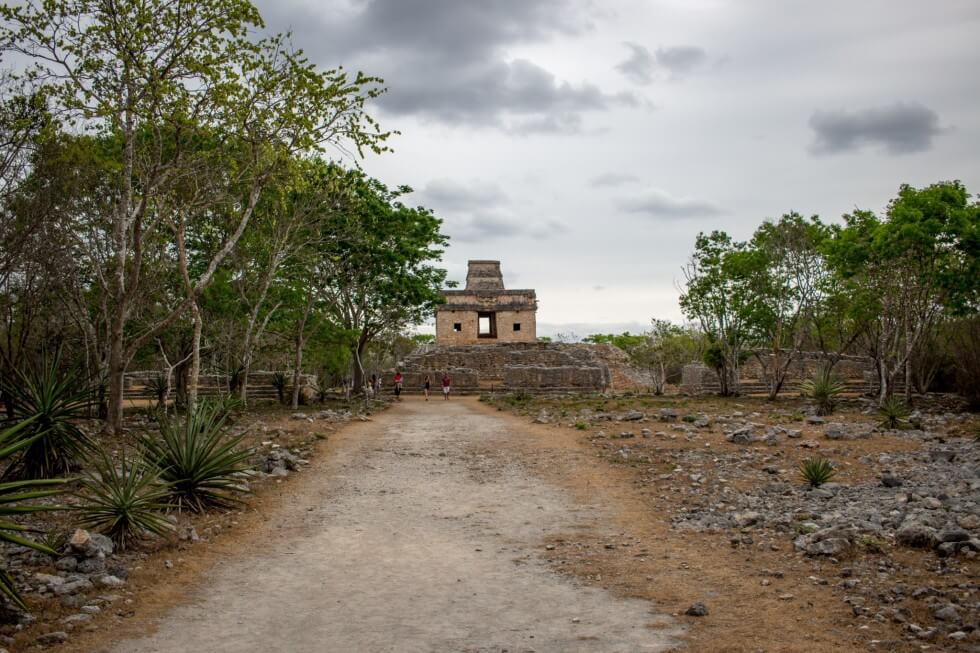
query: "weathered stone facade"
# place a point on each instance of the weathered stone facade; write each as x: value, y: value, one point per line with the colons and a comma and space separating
x: 485, y: 312
x: 524, y: 366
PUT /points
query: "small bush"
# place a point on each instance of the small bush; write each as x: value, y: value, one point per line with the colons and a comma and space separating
x: 50, y: 400
x: 816, y: 471
x: 824, y: 388
x: 14, y: 498
x: 582, y: 426
x: 519, y: 398
x: 124, y: 502
x: 690, y: 419
x: 197, y: 460
x: 894, y: 413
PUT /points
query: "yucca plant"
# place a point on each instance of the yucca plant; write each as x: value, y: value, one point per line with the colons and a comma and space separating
x: 157, y: 384
x: 225, y: 405
x: 197, y: 460
x: 51, y: 400
x: 123, y: 502
x: 894, y: 413
x: 279, y: 383
x: 824, y: 388
x: 14, y: 496
x: 816, y: 471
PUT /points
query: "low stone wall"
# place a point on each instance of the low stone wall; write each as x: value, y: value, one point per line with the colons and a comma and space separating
x: 857, y: 373
x: 541, y: 377
x: 139, y: 384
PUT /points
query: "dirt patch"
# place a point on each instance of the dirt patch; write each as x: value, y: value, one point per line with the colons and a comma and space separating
x: 761, y: 593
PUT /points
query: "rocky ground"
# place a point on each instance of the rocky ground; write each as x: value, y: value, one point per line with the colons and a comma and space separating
x: 90, y: 584
x: 894, y: 537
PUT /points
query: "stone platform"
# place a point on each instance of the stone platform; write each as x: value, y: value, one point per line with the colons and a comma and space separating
x: 534, y: 367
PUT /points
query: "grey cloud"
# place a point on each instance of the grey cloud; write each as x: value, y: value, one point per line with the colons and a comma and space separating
x: 681, y: 59
x: 900, y: 128
x: 659, y: 203
x: 451, y: 195
x: 642, y: 66
x: 519, y: 96
x: 445, y: 60
x: 613, y: 179
x: 478, y: 211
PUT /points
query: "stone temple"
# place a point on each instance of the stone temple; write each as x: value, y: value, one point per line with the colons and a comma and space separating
x: 485, y: 312
x: 486, y: 339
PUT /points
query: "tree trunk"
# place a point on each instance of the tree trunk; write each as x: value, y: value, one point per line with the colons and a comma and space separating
x: 358, y: 351
x: 117, y: 377
x: 194, y: 374
x: 300, y: 341
x: 297, y: 365
x: 908, y: 362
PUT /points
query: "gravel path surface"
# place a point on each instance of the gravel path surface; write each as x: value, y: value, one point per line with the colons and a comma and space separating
x: 419, y: 532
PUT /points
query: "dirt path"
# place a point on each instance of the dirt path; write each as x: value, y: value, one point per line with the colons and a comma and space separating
x: 420, y: 532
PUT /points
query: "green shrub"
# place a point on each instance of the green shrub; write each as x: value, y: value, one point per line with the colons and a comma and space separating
x: 124, y: 502
x: 824, y: 388
x: 582, y: 426
x: 690, y: 419
x: 197, y: 460
x: 816, y: 471
x: 894, y: 413
x: 51, y: 400
x: 13, y: 498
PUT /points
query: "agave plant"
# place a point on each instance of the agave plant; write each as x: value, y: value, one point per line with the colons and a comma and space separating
x: 197, y: 460
x: 816, y: 471
x: 13, y: 498
x: 824, y: 388
x: 279, y: 383
x: 894, y: 413
x: 50, y: 400
x: 123, y: 502
x: 157, y: 384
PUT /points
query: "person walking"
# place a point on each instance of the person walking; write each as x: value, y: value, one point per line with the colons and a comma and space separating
x: 426, y: 385
x: 446, y: 385
x: 398, y: 386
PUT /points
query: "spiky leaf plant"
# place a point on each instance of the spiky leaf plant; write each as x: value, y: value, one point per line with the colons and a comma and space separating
x: 279, y: 382
x: 124, y: 501
x: 157, y: 384
x: 197, y: 460
x: 51, y: 400
x: 894, y: 413
x: 15, y: 497
x: 816, y: 471
x: 824, y: 388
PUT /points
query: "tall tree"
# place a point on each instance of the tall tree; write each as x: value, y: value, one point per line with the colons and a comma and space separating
x: 718, y: 296
x: 156, y: 75
x: 908, y: 270
x: 377, y: 263
x: 787, y: 277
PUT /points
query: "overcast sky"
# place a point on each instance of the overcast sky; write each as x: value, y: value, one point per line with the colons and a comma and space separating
x: 586, y: 143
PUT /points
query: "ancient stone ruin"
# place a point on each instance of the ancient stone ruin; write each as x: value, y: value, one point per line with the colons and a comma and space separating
x: 486, y: 340
x: 485, y: 312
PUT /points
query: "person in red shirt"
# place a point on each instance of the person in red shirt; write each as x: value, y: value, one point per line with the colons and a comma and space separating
x: 398, y: 386
x: 446, y: 384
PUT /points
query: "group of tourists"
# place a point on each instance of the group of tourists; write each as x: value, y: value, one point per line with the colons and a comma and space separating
x: 375, y: 387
